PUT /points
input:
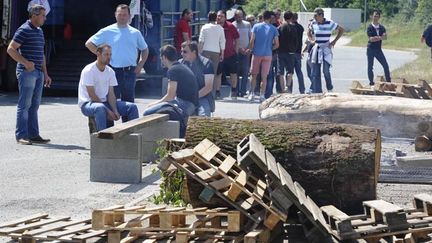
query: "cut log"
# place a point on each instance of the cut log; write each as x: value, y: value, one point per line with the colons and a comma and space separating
x: 337, y: 164
x: 394, y: 116
x: 422, y: 143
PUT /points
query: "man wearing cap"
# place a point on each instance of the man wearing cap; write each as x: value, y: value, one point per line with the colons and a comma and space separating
x: 125, y: 42
x: 27, y: 49
x: 320, y: 32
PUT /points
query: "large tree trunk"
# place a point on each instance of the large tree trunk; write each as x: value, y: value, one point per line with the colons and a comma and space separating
x: 394, y: 116
x: 336, y: 164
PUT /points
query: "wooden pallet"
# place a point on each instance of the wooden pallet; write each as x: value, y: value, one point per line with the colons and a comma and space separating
x: 284, y: 190
x: 221, y: 176
x: 382, y: 219
x: 41, y: 227
x: 143, y: 219
x: 401, y: 89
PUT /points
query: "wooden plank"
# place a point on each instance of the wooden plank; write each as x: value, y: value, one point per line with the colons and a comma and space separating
x: 74, y: 230
x: 235, y: 221
x: 131, y: 126
x: 24, y: 220
x: 251, y: 151
x: 206, y: 175
x: 286, y: 180
x: 32, y: 225
x: 272, y: 167
x: 424, y: 202
x: 426, y: 86
x: 89, y: 235
x: 382, y: 206
x: 221, y: 184
x: 227, y: 164
x: 53, y: 227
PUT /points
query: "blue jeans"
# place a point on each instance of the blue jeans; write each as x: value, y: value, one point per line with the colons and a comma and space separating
x: 125, y: 90
x: 203, y: 108
x: 99, y: 111
x: 187, y: 107
x: 243, y: 72
x: 299, y: 73
x: 309, y: 73
x: 30, y: 85
x: 271, y: 79
x: 316, y: 77
x: 379, y: 55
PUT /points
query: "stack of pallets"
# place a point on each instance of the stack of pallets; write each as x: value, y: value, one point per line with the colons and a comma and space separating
x: 398, y: 87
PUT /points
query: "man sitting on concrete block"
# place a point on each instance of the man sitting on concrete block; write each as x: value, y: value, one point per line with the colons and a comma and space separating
x: 96, y: 96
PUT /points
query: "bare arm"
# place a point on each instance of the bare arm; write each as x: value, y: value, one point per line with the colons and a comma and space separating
x: 186, y: 37
x: 92, y: 47
x: 48, y: 80
x: 200, y: 47
x: 112, y: 100
x: 340, y: 32
x: 12, y: 50
x: 170, y: 95
x: 143, y: 59
x: 252, y: 41
x: 275, y: 43
x: 310, y: 36
x: 92, y: 93
x: 208, y: 86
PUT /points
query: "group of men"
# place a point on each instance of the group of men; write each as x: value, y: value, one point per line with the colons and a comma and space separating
x: 106, y: 89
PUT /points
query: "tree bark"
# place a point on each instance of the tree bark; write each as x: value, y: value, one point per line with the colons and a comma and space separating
x: 337, y: 164
x: 394, y: 116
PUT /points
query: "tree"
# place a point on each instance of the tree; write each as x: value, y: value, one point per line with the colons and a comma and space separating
x: 423, y: 11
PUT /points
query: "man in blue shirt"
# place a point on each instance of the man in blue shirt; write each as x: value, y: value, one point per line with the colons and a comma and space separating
x: 264, y: 40
x: 27, y: 49
x: 125, y: 42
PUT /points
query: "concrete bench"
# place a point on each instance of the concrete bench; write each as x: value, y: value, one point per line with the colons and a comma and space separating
x: 117, y: 153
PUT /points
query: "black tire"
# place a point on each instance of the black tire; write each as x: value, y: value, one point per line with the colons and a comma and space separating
x: 10, y: 81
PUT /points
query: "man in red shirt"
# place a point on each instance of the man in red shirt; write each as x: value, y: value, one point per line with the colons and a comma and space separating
x: 183, y: 31
x: 229, y: 62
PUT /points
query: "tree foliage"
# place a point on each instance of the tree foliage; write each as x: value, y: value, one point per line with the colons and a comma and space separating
x: 423, y: 11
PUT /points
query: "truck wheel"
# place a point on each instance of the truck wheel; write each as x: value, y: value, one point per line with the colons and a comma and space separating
x: 10, y: 80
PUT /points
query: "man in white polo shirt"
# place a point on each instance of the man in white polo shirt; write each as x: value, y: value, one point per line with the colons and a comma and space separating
x: 96, y: 96
x: 319, y: 33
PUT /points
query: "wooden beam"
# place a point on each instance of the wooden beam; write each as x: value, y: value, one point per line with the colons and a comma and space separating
x: 129, y: 127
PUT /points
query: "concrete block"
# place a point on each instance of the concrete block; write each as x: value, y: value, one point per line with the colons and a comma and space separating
x: 126, y: 147
x: 152, y: 135
x: 115, y: 170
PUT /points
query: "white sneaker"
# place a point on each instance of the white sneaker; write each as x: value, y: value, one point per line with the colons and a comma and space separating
x: 262, y: 98
x: 251, y: 96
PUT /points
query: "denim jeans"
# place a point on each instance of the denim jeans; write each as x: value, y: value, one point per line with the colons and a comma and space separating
x: 187, y: 107
x: 309, y: 73
x: 127, y: 110
x: 299, y: 73
x: 203, y: 108
x: 379, y: 55
x: 271, y: 79
x: 243, y: 72
x: 125, y: 90
x: 30, y: 85
x: 316, y: 77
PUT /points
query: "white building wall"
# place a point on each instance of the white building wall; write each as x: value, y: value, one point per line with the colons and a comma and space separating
x: 349, y: 19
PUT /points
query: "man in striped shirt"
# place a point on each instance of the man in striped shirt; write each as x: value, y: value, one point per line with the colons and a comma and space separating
x: 319, y: 33
x: 27, y: 49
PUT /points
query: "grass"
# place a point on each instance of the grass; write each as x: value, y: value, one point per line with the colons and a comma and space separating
x: 403, y: 37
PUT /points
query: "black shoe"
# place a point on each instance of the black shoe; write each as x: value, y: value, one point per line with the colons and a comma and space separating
x: 218, y: 95
x: 39, y: 139
x: 24, y: 141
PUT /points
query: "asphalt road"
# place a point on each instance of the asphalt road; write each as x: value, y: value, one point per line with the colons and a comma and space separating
x: 54, y: 178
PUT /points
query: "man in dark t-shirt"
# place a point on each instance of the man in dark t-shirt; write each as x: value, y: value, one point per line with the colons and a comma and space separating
x: 202, y: 67
x: 182, y: 85
x: 376, y: 33
x: 298, y: 52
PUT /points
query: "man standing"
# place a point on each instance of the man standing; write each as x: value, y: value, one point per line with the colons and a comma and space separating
x: 376, y: 34
x: 243, y: 28
x: 298, y: 54
x: 203, y: 70
x: 212, y: 41
x: 286, y: 52
x: 264, y: 39
x: 182, y: 88
x: 230, y: 62
x: 183, y: 32
x: 96, y: 96
x: 125, y: 42
x: 27, y: 49
x: 427, y: 37
x: 320, y: 32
